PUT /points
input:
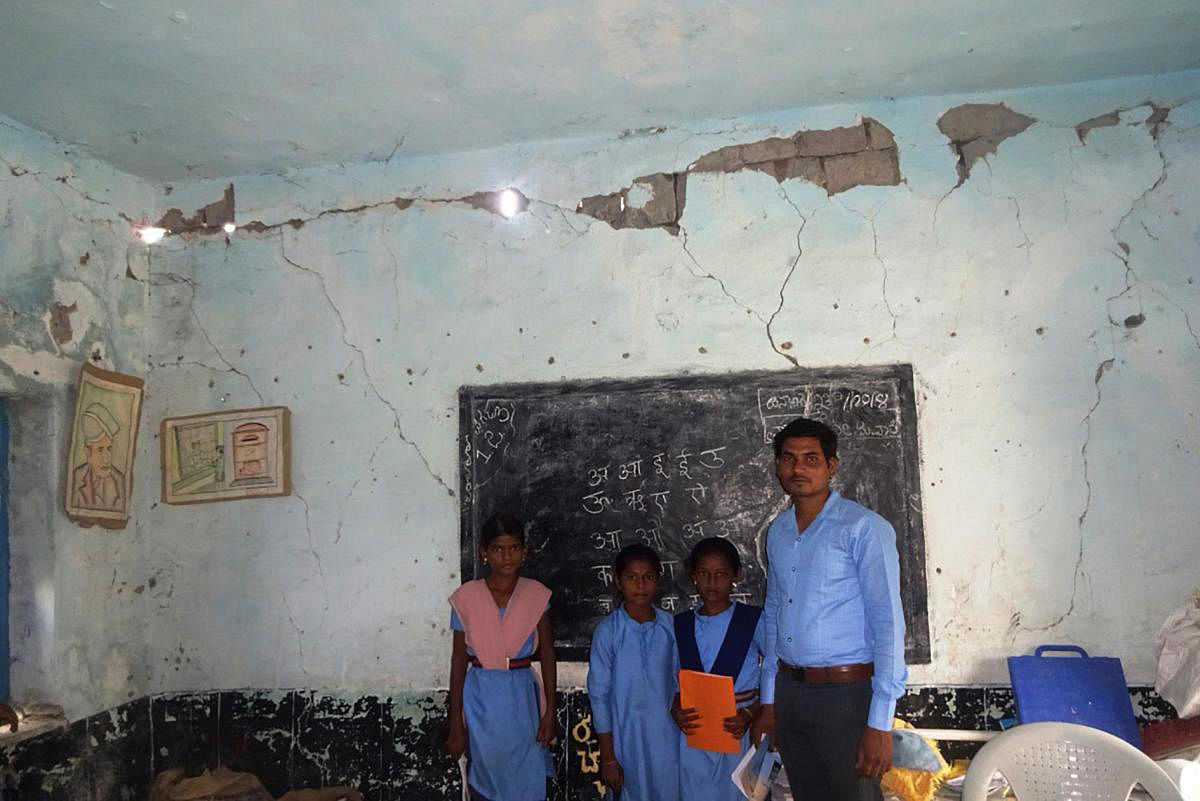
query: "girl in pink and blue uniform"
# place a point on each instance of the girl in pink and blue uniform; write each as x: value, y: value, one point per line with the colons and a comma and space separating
x: 498, y: 708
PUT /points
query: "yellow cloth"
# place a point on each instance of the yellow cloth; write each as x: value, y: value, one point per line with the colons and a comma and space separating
x: 914, y: 785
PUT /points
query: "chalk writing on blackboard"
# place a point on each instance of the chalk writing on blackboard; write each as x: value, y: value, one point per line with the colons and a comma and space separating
x: 666, y: 462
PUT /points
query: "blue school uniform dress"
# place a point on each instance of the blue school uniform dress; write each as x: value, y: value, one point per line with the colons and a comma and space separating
x: 503, y: 712
x: 632, y: 680
x: 729, y: 644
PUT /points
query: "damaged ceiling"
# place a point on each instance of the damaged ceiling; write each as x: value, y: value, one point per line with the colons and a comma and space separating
x: 218, y: 88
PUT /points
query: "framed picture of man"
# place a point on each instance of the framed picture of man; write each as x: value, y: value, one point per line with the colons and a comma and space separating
x: 222, y: 456
x: 103, y: 439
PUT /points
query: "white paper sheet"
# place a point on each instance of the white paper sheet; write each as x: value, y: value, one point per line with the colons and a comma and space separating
x: 757, y: 770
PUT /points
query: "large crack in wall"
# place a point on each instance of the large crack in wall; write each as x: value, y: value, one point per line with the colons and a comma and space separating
x: 835, y: 159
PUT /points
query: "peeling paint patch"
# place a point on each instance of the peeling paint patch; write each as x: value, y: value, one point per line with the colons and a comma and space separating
x: 1157, y: 119
x: 975, y: 130
x: 652, y: 201
x: 1155, y: 122
x: 836, y: 159
x: 1101, y: 121
x: 60, y: 322
x: 868, y: 168
x: 207, y: 219
x: 41, y: 366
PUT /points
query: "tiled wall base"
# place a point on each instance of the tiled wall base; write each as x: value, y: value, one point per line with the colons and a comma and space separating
x: 390, y: 747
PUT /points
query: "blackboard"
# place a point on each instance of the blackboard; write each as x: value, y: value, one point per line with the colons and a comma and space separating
x: 594, y: 466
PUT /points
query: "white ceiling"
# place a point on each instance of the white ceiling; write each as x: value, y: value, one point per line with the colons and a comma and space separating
x: 225, y: 87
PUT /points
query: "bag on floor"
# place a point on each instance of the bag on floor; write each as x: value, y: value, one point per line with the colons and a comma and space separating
x: 918, y: 768
x: 221, y: 784
x: 1177, y: 647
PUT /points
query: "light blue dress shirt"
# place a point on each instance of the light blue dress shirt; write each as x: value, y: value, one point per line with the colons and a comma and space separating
x: 833, y: 598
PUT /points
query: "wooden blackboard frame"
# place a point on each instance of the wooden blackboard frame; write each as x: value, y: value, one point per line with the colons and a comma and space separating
x: 914, y: 590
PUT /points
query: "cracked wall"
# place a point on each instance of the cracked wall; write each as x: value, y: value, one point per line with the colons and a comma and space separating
x: 363, y: 296
x: 837, y: 160
x: 64, y: 251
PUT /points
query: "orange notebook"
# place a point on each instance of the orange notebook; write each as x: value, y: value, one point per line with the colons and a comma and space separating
x: 712, y: 697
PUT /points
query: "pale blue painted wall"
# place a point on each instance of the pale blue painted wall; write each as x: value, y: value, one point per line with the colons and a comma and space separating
x: 1054, y: 439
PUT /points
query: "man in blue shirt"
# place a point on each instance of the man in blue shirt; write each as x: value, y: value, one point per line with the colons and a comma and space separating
x: 834, y: 628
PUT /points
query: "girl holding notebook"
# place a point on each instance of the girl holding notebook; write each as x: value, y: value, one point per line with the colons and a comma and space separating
x: 722, y: 637
x: 499, y: 709
x: 631, y: 681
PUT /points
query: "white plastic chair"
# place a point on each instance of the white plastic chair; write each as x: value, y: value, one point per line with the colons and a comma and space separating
x: 1066, y: 762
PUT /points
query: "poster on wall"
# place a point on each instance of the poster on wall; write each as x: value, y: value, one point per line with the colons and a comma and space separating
x: 224, y: 456
x: 104, y: 433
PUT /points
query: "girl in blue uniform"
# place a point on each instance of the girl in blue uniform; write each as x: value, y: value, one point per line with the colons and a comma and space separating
x: 631, y: 681
x: 498, y: 709
x: 724, y: 637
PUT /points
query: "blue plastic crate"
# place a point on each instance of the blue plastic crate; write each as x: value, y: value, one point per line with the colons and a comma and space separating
x: 1089, y: 690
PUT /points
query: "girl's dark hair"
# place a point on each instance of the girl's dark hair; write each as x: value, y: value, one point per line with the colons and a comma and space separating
x: 715, y: 546
x: 500, y: 524
x: 636, y: 553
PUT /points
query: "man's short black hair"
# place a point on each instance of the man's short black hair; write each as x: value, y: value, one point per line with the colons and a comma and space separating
x: 803, y: 427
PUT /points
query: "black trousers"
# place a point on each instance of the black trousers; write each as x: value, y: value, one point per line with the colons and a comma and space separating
x: 818, y: 728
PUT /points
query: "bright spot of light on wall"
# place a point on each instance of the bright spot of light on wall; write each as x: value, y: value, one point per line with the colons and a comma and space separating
x: 43, y: 595
x: 149, y: 234
x: 510, y: 203
x: 229, y: 228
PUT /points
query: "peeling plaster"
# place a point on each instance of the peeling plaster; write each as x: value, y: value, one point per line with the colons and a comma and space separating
x: 1101, y: 121
x: 1157, y: 119
x: 59, y: 322
x: 42, y: 366
x: 1155, y: 122
x: 975, y: 130
x: 79, y: 307
x: 652, y: 201
x: 836, y: 159
x: 207, y: 219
